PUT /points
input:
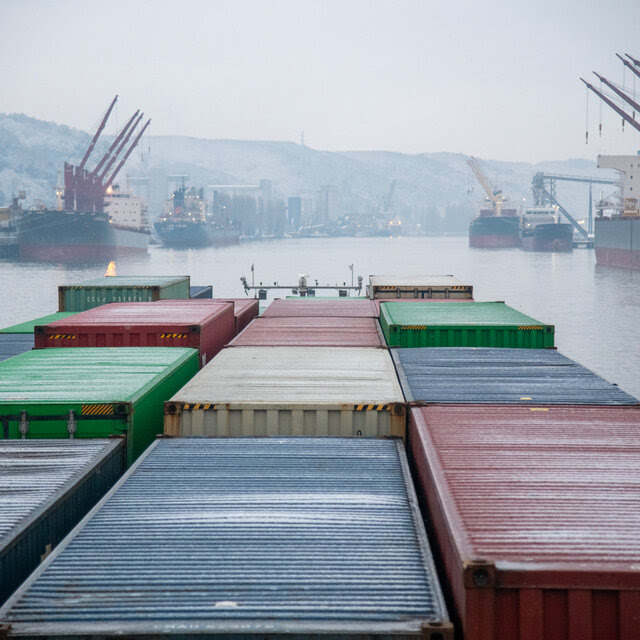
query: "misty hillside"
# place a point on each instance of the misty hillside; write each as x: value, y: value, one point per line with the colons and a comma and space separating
x: 32, y: 153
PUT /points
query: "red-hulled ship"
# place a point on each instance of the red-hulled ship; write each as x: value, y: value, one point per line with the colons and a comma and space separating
x: 80, y: 229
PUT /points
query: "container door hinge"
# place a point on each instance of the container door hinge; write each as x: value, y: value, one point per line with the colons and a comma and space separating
x: 24, y: 424
x: 72, y: 425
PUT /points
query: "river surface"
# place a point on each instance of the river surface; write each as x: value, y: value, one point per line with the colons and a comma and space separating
x: 596, y: 310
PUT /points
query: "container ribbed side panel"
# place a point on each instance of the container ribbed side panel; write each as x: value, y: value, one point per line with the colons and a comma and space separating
x: 507, y: 376
x: 241, y: 538
x: 46, y: 487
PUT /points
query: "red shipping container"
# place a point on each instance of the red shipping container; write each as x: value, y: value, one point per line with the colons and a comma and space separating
x: 321, y: 309
x: 311, y: 332
x: 206, y: 325
x: 535, y: 512
x: 244, y: 310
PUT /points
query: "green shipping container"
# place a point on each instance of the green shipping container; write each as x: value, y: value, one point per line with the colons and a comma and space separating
x: 111, y: 391
x: 462, y: 324
x: 27, y: 327
x: 93, y: 293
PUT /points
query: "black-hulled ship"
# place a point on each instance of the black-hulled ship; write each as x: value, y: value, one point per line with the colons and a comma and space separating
x: 540, y: 230
x: 80, y: 228
x: 185, y: 222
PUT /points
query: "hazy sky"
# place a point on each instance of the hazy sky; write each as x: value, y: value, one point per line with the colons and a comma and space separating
x: 493, y: 78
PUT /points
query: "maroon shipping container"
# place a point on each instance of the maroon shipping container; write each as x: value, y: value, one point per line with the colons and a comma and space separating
x: 535, y: 512
x: 206, y: 325
x: 311, y: 332
x: 321, y: 309
x: 244, y: 310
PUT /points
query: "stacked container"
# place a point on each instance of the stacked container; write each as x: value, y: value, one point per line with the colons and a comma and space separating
x: 244, y: 310
x: 275, y: 391
x: 92, y: 393
x: 206, y: 325
x: 321, y: 309
x: 244, y: 538
x: 93, y: 293
x: 461, y: 324
x: 46, y: 487
x: 424, y: 287
x: 535, y: 514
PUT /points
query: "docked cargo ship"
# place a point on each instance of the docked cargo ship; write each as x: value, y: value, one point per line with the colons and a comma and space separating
x: 81, y: 227
x: 617, y: 235
x: 186, y: 223
x: 492, y: 231
x: 540, y: 230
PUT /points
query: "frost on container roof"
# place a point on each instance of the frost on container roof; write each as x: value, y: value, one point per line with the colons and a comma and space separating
x: 244, y: 536
x: 33, y: 472
x: 128, y: 281
x: 415, y: 281
x: 86, y: 374
x: 295, y: 376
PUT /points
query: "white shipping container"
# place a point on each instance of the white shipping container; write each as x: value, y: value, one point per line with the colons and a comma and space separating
x: 280, y: 391
x: 421, y: 286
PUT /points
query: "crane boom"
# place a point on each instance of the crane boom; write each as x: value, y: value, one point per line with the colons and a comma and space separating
x: 621, y: 112
x: 96, y: 136
x: 122, y: 145
x: 495, y: 196
x: 114, y: 144
x: 126, y: 155
x: 627, y: 64
x: 622, y: 94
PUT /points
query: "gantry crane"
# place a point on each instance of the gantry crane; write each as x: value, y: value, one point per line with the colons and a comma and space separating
x: 494, y: 195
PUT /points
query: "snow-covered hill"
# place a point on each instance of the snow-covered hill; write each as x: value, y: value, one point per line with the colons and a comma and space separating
x: 32, y: 153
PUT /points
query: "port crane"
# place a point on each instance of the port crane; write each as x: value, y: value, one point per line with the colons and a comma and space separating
x: 494, y: 195
x: 84, y: 190
x: 634, y: 65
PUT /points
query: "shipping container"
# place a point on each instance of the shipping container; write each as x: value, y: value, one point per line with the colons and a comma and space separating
x: 92, y: 393
x: 46, y: 487
x: 281, y: 391
x: 93, y: 293
x: 501, y: 376
x: 244, y: 538
x: 197, y: 293
x: 312, y: 332
x: 535, y: 513
x: 321, y: 309
x: 399, y: 286
x: 206, y: 325
x: 462, y: 324
x: 28, y: 326
x: 11, y: 344
x: 244, y: 310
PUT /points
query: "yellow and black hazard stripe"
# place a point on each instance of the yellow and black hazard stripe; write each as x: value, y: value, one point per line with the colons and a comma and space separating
x: 169, y: 336
x: 62, y: 336
x: 538, y: 409
x: 205, y: 406
x: 386, y: 288
x: 98, y: 410
x: 413, y: 327
x: 531, y: 327
x: 371, y: 407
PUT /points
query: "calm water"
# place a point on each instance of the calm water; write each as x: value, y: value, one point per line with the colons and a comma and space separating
x: 596, y: 310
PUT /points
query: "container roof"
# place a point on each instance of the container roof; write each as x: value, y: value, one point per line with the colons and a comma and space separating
x: 28, y: 325
x: 310, y: 331
x: 35, y: 473
x: 295, y: 376
x: 161, y: 313
x: 53, y: 376
x: 446, y: 313
x: 539, y: 486
x: 510, y: 376
x: 258, y: 536
x: 128, y: 281
x: 322, y: 308
x: 415, y: 281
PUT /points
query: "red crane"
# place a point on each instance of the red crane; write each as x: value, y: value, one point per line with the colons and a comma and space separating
x: 84, y: 190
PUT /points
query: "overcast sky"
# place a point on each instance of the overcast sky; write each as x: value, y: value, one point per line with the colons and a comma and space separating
x: 494, y: 78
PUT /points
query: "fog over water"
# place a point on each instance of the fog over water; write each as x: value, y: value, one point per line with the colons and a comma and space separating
x: 595, y: 310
